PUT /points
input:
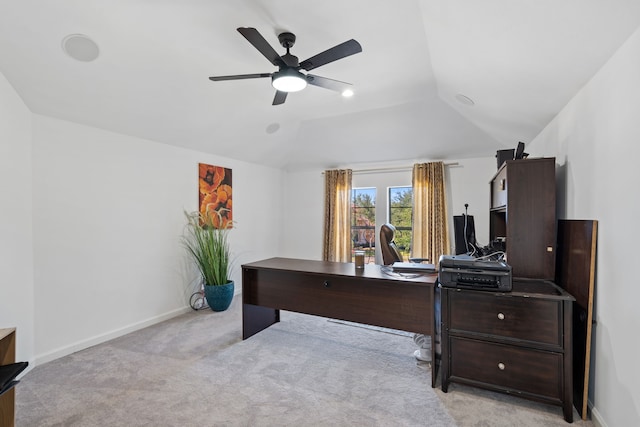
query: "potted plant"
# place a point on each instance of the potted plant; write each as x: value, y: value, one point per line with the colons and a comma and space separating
x: 208, y: 247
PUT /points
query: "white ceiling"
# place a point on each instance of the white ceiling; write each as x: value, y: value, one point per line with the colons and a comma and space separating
x: 520, y: 61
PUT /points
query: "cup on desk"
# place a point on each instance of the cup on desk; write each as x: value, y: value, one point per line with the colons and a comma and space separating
x: 359, y: 259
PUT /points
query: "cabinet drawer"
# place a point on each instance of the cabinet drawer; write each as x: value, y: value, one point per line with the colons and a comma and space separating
x: 499, y: 189
x: 530, y: 371
x: 519, y: 318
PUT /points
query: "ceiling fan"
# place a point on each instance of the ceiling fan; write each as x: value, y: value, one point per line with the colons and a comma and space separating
x: 289, y: 77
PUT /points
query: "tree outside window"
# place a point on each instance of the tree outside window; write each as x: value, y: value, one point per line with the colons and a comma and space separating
x: 363, y: 222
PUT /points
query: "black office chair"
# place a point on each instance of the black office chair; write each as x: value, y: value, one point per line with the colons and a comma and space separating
x: 388, y: 247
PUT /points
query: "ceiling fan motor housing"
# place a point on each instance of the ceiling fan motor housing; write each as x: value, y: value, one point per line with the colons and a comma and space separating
x: 287, y: 40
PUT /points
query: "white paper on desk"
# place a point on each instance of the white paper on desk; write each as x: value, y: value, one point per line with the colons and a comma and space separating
x: 413, y: 267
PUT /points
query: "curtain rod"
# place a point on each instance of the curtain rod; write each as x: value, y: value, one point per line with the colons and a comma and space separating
x: 391, y: 169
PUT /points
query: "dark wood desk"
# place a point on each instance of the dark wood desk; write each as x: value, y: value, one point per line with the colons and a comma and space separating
x: 337, y: 290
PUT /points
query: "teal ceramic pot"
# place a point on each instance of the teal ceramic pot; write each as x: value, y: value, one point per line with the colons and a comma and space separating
x: 219, y: 297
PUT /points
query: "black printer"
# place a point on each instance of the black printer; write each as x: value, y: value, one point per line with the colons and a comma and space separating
x: 464, y: 271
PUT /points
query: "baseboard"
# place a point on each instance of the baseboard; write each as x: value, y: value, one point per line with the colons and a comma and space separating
x: 595, y: 415
x: 81, y: 345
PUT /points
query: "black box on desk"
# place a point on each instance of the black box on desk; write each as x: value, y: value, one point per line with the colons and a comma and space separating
x: 504, y: 155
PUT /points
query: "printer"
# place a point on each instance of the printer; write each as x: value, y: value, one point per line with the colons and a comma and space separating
x: 464, y: 271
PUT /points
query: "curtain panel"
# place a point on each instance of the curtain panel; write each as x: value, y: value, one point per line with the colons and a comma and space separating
x: 430, y: 227
x: 337, y: 215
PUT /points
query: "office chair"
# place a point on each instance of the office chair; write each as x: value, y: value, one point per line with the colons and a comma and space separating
x: 388, y: 247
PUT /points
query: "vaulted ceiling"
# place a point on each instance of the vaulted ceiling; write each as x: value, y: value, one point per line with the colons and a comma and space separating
x: 519, y: 62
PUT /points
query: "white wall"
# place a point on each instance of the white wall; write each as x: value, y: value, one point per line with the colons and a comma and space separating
x: 304, y: 215
x: 467, y: 182
x: 107, y: 222
x: 16, y: 246
x: 596, y: 140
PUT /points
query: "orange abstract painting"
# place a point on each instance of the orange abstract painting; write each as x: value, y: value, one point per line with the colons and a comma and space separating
x: 215, y: 194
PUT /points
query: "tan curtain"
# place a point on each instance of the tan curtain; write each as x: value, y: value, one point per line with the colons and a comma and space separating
x: 430, y: 231
x: 337, y: 216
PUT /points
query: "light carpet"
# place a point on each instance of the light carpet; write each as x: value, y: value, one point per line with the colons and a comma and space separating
x: 195, y: 371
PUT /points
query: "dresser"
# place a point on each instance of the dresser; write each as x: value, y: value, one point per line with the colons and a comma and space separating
x: 516, y: 342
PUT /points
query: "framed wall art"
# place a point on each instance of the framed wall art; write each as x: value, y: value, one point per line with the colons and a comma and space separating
x: 215, y: 194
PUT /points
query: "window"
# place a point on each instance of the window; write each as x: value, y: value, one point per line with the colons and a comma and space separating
x: 401, y: 216
x: 363, y: 222
x: 399, y: 212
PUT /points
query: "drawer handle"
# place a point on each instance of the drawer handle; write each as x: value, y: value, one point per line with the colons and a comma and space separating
x: 501, y: 366
x: 501, y: 316
x: 326, y: 284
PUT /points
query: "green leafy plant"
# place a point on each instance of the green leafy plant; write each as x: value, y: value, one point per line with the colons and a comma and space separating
x: 208, y: 247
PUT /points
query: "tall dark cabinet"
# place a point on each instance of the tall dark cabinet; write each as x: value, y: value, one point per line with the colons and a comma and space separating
x: 517, y: 342
x: 522, y: 217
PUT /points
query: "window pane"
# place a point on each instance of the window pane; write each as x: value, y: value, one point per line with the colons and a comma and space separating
x: 363, y: 222
x: 401, y: 207
x: 401, y: 215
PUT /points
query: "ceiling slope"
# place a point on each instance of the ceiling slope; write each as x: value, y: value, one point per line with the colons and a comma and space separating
x: 520, y: 62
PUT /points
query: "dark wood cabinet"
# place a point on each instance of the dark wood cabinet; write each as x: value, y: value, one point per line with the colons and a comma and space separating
x: 522, y: 216
x: 7, y: 357
x: 516, y: 342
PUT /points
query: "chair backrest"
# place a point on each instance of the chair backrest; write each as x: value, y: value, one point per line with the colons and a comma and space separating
x: 390, y: 252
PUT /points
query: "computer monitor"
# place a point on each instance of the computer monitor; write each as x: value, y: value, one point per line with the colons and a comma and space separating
x: 465, y: 233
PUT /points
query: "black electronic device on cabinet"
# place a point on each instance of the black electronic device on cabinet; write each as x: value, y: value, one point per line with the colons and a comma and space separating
x: 465, y: 232
x: 520, y: 154
x: 466, y: 272
x: 504, y: 155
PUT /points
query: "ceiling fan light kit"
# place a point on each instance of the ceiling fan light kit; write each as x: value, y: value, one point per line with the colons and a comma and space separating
x: 289, y: 77
x: 289, y: 80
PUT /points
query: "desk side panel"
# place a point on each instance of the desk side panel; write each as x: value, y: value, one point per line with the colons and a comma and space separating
x: 254, y: 317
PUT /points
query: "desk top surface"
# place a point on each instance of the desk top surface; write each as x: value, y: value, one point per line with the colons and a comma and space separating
x: 347, y: 269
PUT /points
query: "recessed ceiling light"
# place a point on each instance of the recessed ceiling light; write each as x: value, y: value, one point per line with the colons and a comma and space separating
x: 80, y: 47
x: 462, y: 99
x: 273, y: 128
x: 347, y: 93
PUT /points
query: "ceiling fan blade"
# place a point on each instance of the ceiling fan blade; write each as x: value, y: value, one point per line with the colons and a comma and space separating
x: 239, y: 77
x: 326, y: 83
x: 340, y: 51
x: 279, y: 98
x: 256, y: 39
